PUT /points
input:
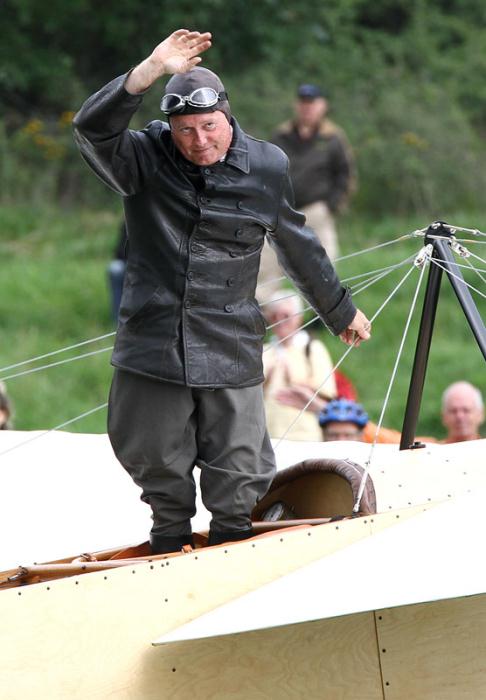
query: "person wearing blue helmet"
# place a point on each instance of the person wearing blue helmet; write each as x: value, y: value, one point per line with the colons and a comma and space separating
x: 342, y: 419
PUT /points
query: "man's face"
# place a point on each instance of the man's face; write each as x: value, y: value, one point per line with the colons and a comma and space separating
x: 202, y: 139
x: 309, y: 112
x: 461, y: 415
x: 337, y: 430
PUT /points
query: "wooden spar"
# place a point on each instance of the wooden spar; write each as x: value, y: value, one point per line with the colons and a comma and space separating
x: 89, y: 563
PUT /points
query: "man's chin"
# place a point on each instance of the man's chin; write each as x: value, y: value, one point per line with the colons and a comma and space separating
x: 205, y: 158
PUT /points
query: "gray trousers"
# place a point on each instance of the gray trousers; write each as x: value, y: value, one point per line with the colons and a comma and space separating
x: 159, y: 431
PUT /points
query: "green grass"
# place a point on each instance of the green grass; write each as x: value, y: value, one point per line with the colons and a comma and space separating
x: 53, y: 293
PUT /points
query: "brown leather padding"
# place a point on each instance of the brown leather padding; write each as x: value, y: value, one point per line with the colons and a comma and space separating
x: 319, y: 488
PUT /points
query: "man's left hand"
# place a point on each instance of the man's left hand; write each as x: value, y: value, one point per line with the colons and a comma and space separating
x: 358, y: 330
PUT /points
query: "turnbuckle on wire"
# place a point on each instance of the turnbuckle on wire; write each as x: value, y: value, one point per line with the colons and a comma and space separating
x: 423, y: 256
x: 461, y: 250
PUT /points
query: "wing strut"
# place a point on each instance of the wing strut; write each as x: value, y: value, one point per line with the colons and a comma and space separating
x: 442, y: 238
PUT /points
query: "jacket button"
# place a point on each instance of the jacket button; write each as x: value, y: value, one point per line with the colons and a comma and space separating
x: 238, y: 232
x: 194, y: 248
x: 190, y: 275
x: 233, y: 254
x: 239, y: 205
x: 187, y: 304
x: 207, y: 171
x: 230, y: 281
x: 204, y: 200
x: 228, y: 308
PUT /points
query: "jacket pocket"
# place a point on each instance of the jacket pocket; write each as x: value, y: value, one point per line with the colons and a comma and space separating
x: 141, y: 309
x: 259, y: 318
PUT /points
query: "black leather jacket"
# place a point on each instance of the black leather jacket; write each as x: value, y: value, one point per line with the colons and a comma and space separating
x: 188, y: 313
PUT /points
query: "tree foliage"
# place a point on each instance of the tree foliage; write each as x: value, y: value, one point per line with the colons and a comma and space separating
x: 405, y: 76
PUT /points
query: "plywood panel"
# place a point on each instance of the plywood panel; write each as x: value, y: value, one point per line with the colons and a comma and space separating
x: 324, y: 660
x: 434, y: 651
x: 435, y: 473
x: 90, y: 636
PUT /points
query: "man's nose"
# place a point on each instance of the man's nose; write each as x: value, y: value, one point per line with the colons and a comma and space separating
x: 200, y: 138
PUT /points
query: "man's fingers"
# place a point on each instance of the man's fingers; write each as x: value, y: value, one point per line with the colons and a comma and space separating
x: 194, y: 38
x: 195, y: 35
x: 192, y: 62
x: 200, y: 48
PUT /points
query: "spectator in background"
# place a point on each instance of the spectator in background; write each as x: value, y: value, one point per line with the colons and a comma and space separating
x: 322, y: 172
x: 462, y: 412
x: 116, y: 271
x: 293, y: 358
x: 343, y: 420
x: 342, y: 411
x: 5, y: 409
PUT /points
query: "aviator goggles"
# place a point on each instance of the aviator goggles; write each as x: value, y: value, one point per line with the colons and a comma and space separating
x: 201, y: 97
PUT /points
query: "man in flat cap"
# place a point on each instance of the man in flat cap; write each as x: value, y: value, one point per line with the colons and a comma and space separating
x: 200, y: 196
x: 322, y: 173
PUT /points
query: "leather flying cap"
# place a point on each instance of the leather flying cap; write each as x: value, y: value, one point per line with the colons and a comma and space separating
x: 199, y: 77
x: 307, y: 91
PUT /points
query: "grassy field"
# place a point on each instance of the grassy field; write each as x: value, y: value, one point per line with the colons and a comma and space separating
x: 53, y: 293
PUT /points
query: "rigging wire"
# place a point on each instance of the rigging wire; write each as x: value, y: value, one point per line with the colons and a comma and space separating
x: 55, y: 364
x: 467, y: 265
x: 7, y: 368
x: 376, y: 247
x: 378, y: 269
x: 272, y: 281
x: 347, y: 351
x: 460, y: 279
x: 51, y: 430
x: 274, y: 301
x: 56, y: 352
x: 390, y: 385
x: 473, y: 231
x: 368, y: 274
x: 367, y: 283
x: 477, y: 257
x: 281, y: 340
x: 468, y: 240
x: 106, y: 349
x: 104, y: 405
x: 282, y: 320
x: 474, y: 269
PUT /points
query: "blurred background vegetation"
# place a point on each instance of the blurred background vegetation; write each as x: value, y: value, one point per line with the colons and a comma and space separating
x: 406, y: 82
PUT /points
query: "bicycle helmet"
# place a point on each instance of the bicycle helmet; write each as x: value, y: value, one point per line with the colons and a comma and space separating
x: 343, y: 411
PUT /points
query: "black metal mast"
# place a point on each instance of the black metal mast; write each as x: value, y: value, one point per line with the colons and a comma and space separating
x: 441, y: 252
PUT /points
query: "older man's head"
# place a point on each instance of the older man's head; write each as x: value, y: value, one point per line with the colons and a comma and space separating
x: 199, y: 114
x: 462, y: 412
x: 284, y: 313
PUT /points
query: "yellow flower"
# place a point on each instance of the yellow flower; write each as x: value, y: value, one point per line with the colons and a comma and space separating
x: 66, y: 119
x: 33, y: 126
x: 41, y: 140
x: 410, y: 138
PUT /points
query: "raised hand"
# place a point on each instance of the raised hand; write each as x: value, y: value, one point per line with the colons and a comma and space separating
x: 177, y: 54
x: 180, y: 51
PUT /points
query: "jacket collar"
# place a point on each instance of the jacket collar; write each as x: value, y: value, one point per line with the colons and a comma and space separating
x: 237, y: 155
